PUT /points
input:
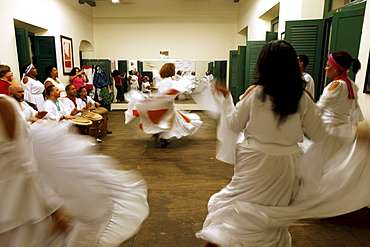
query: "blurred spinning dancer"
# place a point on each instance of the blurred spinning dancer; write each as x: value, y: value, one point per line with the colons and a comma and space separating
x: 274, y: 182
x: 31, y: 213
x: 157, y: 112
x: 105, y: 206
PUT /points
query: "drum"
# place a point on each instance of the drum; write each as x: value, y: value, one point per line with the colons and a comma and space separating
x: 82, y: 124
x: 104, y: 123
x: 96, y: 119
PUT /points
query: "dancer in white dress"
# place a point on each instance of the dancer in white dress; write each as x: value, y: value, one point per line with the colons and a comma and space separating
x: 107, y: 206
x: 52, y: 73
x: 158, y: 114
x: 338, y: 102
x: 29, y: 209
x: 33, y: 88
x: 274, y: 183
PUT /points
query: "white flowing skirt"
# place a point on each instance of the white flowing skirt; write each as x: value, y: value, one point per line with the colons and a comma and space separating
x: 158, y: 115
x: 334, y: 179
x: 108, y: 206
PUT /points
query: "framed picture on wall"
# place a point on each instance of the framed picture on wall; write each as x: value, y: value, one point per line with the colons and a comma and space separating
x: 367, y: 79
x: 67, y: 54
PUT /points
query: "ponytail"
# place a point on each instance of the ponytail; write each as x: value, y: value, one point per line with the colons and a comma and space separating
x: 356, y: 65
x: 345, y: 60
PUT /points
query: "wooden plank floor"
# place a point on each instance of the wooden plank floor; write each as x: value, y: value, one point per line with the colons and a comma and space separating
x: 183, y: 176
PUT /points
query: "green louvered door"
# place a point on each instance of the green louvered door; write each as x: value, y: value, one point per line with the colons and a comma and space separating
x: 271, y: 36
x: 307, y: 37
x: 253, y: 51
x: 211, y: 66
x: 122, y: 68
x: 44, y: 54
x: 347, y: 31
x: 140, y: 67
x: 23, y: 47
x: 233, y: 72
x: 220, y: 70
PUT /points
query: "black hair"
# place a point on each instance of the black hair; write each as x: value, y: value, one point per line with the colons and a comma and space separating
x: 278, y: 71
x: 115, y: 73
x: 345, y: 60
x: 73, y: 71
x: 24, y: 67
x: 68, y: 86
x: 80, y: 89
x: 48, y: 69
x: 304, y: 59
x: 49, y: 89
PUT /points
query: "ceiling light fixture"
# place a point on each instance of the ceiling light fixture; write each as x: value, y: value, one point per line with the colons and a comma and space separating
x: 115, y: 1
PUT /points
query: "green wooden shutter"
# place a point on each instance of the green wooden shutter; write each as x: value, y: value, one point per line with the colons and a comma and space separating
x: 220, y: 70
x: 240, y: 73
x: 253, y: 51
x: 271, y: 36
x: 140, y: 67
x: 44, y: 54
x: 346, y: 32
x: 307, y: 37
x: 211, y: 66
x: 122, y: 67
x: 23, y: 48
x: 233, y: 72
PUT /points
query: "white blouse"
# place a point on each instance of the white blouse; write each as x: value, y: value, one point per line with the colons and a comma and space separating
x: 58, y: 84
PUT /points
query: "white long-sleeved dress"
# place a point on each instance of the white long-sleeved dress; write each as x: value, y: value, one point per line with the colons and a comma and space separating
x: 158, y: 114
x: 339, y: 112
x: 107, y: 205
x: 274, y: 183
x: 26, y: 202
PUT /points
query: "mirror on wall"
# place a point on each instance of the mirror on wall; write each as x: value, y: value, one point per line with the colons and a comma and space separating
x: 198, y: 66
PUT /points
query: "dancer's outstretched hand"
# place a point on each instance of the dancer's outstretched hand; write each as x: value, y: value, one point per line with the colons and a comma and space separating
x: 61, y: 220
x: 221, y: 88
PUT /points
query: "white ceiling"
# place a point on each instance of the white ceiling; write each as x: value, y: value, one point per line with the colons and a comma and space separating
x: 164, y: 8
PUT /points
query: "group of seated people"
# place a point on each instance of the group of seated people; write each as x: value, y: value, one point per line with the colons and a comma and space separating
x: 53, y: 108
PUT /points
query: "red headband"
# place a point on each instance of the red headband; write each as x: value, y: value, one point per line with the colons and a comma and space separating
x: 335, y: 64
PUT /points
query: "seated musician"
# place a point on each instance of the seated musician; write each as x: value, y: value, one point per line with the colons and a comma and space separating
x: 57, y: 111
x: 84, y: 101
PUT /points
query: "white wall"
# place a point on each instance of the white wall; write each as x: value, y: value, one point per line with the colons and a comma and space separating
x: 57, y: 17
x: 255, y: 15
x: 364, y: 99
x: 249, y: 16
x: 206, y: 38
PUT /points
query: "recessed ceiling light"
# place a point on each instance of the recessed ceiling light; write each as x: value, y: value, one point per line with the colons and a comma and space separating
x: 115, y: 1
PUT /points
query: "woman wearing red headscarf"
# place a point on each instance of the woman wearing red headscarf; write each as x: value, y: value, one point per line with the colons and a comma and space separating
x: 338, y: 102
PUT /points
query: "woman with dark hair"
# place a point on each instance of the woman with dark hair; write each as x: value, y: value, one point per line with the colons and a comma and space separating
x: 274, y: 183
x: 118, y: 84
x: 52, y: 79
x: 338, y: 102
x: 33, y: 88
x: 78, y: 78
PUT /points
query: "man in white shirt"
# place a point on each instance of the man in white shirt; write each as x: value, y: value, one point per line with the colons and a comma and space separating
x: 27, y: 112
x: 310, y: 84
x: 57, y: 111
x: 70, y: 102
